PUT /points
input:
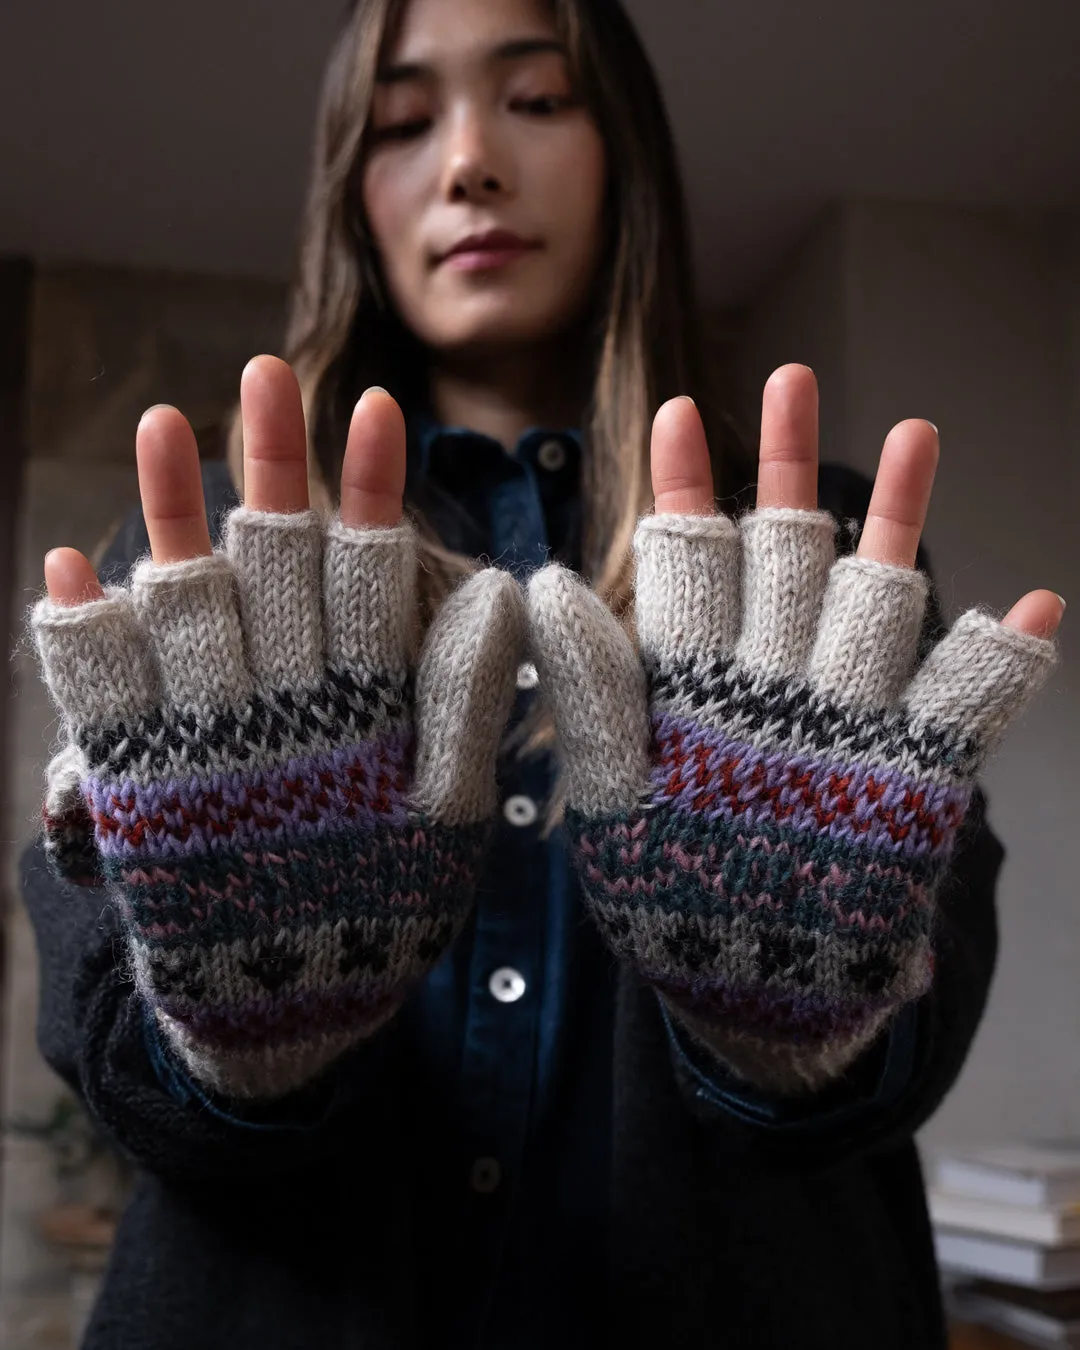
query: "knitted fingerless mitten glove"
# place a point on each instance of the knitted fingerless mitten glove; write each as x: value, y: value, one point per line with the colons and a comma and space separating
x: 764, y: 803
x: 291, y: 820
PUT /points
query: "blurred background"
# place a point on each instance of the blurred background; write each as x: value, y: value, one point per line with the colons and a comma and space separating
x: 890, y: 193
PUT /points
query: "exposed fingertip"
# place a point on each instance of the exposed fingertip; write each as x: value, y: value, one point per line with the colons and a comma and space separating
x: 155, y: 436
x: 156, y: 408
x: 791, y: 370
x: 265, y: 366
x: 676, y: 404
x: 377, y: 389
x: 679, y: 459
x: 264, y: 359
x: 1038, y: 614
x: 70, y: 578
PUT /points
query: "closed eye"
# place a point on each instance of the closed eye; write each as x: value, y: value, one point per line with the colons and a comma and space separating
x: 544, y: 106
x: 401, y: 131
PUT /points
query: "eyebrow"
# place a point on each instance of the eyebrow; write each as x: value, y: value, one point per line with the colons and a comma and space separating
x: 506, y: 51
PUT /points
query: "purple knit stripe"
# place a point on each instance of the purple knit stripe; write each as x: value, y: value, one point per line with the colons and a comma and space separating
x: 305, y: 1015
x: 712, y: 874
x: 356, y: 787
x: 765, y: 1010
x: 799, y: 793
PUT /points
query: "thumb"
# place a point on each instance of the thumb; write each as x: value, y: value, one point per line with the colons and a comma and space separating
x: 465, y: 683
x: 595, y: 685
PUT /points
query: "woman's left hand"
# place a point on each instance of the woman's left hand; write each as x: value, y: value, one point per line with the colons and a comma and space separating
x: 788, y: 475
x: 764, y: 798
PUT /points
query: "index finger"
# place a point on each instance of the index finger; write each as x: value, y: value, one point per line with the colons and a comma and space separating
x: 679, y: 460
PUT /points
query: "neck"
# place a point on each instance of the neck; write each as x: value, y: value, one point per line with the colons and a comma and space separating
x: 503, y: 393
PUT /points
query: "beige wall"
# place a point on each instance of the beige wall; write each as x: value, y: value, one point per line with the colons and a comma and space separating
x: 972, y: 319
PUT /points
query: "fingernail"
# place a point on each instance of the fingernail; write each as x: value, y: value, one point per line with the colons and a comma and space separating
x: 1062, y: 599
x: 932, y: 424
x: 687, y: 397
x: 376, y: 389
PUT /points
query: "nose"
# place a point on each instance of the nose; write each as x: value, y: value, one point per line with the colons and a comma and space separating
x: 474, y: 167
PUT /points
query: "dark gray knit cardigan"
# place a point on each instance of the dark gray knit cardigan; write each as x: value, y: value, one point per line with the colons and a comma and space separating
x: 725, y: 1230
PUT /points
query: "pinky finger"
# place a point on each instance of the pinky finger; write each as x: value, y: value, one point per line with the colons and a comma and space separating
x: 70, y: 578
x: 1038, y: 613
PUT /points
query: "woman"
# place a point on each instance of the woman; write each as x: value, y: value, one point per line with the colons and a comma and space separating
x: 383, y: 1080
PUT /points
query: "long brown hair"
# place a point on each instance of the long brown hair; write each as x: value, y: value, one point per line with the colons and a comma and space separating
x: 343, y: 336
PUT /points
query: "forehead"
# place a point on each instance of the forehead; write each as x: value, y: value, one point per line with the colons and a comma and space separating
x: 445, y: 32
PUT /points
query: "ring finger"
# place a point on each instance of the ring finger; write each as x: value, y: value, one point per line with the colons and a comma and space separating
x: 275, y: 438
x: 170, y: 485
x: 788, y: 458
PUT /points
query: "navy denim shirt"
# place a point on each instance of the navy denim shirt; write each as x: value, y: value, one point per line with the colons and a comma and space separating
x: 510, y: 1036
x: 514, y: 1027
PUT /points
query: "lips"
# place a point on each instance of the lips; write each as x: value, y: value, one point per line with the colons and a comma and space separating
x: 492, y: 248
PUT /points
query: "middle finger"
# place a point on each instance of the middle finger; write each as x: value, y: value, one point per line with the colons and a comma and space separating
x: 275, y: 438
x: 788, y: 461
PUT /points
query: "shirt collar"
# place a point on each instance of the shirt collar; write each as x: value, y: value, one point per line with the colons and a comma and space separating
x: 423, y: 430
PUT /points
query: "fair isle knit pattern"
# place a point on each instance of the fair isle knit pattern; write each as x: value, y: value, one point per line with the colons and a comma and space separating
x: 764, y: 801
x: 289, y: 806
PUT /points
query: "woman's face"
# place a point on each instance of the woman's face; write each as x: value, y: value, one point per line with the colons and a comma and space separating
x: 477, y: 128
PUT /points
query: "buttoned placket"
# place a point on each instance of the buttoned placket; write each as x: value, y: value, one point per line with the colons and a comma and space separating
x: 499, y: 1078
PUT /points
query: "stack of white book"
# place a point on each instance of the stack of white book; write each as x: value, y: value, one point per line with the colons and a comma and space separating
x: 1007, y: 1232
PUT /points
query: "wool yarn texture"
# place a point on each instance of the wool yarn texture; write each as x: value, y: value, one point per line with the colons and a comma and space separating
x: 287, y: 794
x: 764, y: 796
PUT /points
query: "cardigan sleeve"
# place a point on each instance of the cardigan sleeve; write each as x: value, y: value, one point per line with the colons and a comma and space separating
x: 93, y: 1031
x: 898, y: 1083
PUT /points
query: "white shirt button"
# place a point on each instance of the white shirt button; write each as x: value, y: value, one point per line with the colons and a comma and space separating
x: 507, y: 984
x: 520, y: 810
x: 527, y: 676
x: 485, y: 1175
x: 551, y: 456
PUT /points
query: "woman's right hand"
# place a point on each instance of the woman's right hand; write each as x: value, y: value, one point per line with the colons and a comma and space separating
x: 289, y: 805
x: 275, y: 472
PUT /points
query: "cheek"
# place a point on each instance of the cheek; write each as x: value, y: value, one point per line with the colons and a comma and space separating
x: 574, y: 182
x: 390, y: 203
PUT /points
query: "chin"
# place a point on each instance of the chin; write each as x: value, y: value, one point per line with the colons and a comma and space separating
x: 501, y: 321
